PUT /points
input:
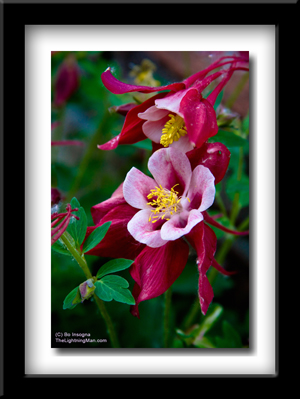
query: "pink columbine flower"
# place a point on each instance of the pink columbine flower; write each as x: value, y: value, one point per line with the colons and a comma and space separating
x: 171, y: 203
x: 140, y: 229
x: 181, y: 117
x: 63, y: 219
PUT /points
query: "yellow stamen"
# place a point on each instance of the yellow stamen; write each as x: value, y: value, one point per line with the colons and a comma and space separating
x: 173, y: 130
x: 166, y: 203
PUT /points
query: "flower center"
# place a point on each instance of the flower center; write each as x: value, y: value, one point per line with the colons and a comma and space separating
x: 173, y: 130
x: 166, y: 203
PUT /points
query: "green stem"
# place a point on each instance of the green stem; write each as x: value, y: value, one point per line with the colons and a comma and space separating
x: 167, y: 309
x: 79, y: 258
x: 109, y: 324
x: 82, y: 263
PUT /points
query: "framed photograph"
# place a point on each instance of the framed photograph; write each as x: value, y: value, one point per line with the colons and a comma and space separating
x: 157, y: 145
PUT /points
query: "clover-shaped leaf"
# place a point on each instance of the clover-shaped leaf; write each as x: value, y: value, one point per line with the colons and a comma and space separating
x: 114, y: 287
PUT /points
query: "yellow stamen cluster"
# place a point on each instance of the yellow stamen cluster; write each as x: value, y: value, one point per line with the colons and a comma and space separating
x: 166, y: 203
x: 173, y: 130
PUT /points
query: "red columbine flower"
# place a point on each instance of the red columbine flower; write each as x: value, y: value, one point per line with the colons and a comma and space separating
x: 159, y: 250
x: 181, y: 117
x: 63, y: 219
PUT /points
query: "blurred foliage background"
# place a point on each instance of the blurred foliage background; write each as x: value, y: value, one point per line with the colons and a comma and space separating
x: 85, y: 113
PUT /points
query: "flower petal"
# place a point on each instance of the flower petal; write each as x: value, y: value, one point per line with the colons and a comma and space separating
x: 199, y: 116
x: 183, y: 144
x: 153, y: 114
x: 180, y: 225
x: 202, y: 189
x: 118, y: 87
x: 100, y: 210
x: 171, y: 102
x: 118, y: 242
x: 132, y: 131
x: 169, y: 166
x: 136, y: 188
x: 156, y: 269
x: 144, y: 231
x: 204, y: 240
x: 215, y: 156
x: 153, y: 129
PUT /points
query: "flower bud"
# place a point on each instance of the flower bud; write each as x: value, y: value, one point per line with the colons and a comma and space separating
x: 87, y: 289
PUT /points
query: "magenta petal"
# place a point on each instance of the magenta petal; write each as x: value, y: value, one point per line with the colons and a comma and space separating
x: 118, y: 242
x: 215, y: 156
x: 100, y: 210
x: 199, y: 116
x: 111, y: 144
x: 132, y: 131
x: 156, y: 269
x: 144, y: 231
x: 136, y: 188
x: 169, y: 166
x: 118, y: 87
x: 203, y: 239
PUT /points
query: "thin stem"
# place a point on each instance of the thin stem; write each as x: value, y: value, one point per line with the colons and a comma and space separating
x: 101, y: 306
x: 79, y: 258
x: 109, y: 324
x: 167, y: 309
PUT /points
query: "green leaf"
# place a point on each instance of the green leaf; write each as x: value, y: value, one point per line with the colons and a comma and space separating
x: 113, y: 266
x: 229, y: 139
x: 144, y: 144
x: 74, y: 203
x: 239, y: 186
x: 114, y: 287
x: 245, y: 124
x: 95, y: 237
x: 72, y: 299
x: 77, y: 228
